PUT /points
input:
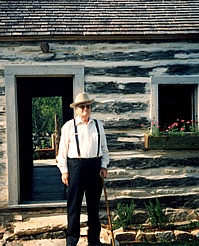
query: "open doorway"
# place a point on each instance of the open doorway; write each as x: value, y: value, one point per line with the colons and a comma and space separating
x: 39, y: 182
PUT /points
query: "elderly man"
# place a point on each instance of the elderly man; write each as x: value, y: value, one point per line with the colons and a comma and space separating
x: 82, y: 160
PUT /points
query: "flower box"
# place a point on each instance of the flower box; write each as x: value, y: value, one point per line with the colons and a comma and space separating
x: 171, y: 142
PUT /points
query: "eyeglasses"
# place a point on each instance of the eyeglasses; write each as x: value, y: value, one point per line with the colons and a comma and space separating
x: 88, y: 106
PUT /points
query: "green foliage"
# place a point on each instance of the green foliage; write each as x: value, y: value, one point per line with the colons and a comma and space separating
x: 194, y: 128
x: 43, y: 121
x: 178, y: 128
x: 35, y: 155
x: 156, y: 215
x: 43, y: 114
x: 155, y: 128
x: 42, y: 144
x: 191, y: 225
x: 125, y: 215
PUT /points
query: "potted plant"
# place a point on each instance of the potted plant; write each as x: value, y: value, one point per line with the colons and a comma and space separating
x: 180, y: 135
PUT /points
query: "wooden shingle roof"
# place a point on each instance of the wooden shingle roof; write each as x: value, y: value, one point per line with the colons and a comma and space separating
x: 86, y: 18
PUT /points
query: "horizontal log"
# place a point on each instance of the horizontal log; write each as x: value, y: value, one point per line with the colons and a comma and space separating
x: 117, y: 107
x: 73, y: 55
x: 3, y: 169
x: 183, y: 69
x: 123, y: 123
x: 2, y: 139
x: 44, y: 57
x: 115, y: 88
x: 137, y: 71
x: 2, y: 90
x: 2, y: 153
x: 1, y: 71
x: 123, y: 141
x: 131, y: 56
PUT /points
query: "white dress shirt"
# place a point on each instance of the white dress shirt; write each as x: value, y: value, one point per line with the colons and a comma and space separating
x: 88, y: 143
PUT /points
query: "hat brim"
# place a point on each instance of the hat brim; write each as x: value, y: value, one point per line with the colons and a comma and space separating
x: 73, y: 105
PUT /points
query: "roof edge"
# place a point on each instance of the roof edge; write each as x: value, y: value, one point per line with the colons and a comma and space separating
x: 101, y: 37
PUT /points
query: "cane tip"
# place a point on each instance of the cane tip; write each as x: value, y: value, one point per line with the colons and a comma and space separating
x: 114, y: 243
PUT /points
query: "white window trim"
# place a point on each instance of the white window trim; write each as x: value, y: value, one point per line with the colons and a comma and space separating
x: 11, y: 73
x: 170, y: 80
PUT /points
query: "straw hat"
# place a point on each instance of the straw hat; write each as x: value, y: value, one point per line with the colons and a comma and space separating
x: 81, y: 98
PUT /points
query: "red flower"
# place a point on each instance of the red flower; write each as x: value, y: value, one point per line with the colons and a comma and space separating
x: 153, y: 123
x: 182, y: 120
x: 182, y: 129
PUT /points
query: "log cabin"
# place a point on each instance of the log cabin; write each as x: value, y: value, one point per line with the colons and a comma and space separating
x: 139, y: 60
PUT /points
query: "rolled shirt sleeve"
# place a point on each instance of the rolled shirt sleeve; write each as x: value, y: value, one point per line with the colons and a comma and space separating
x: 63, y: 148
x: 104, y: 148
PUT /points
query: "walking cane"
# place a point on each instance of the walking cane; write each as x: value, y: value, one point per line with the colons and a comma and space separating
x: 108, y: 212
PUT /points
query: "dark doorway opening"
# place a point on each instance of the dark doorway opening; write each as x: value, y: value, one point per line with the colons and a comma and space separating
x: 176, y: 102
x: 39, y: 183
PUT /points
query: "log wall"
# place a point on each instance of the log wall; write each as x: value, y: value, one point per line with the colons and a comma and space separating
x: 117, y: 75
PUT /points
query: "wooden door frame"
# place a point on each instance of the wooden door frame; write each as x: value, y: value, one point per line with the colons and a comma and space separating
x: 11, y: 73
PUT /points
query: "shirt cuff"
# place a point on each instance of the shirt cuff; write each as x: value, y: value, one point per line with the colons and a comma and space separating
x: 104, y: 165
x: 63, y: 169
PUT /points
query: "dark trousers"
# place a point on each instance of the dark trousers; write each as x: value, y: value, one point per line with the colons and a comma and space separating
x: 83, y: 177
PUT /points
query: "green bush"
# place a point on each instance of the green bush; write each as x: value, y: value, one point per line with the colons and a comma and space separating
x: 43, y: 114
x: 156, y: 215
x: 124, y: 216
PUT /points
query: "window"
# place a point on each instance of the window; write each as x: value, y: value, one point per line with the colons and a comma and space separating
x: 174, y: 98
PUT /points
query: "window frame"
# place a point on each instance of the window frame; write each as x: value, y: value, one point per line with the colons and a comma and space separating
x: 170, y: 80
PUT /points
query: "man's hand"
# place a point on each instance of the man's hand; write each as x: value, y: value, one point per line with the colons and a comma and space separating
x: 103, y: 171
x: 65, y: 178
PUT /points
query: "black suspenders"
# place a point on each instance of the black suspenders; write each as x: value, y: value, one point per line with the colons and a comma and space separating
x: 98, y: 133
x: 77, y: 141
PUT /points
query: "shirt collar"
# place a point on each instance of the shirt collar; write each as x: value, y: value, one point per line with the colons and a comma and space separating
x: 78, y: 120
